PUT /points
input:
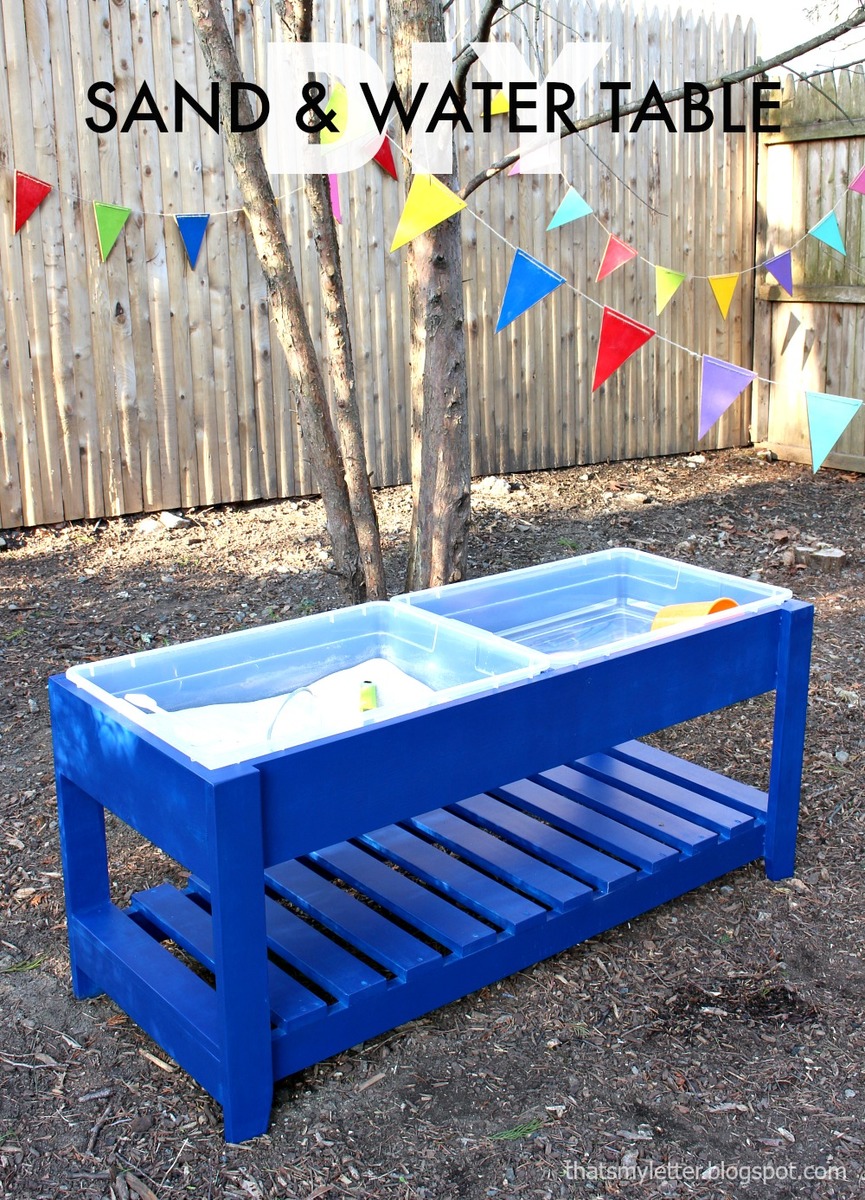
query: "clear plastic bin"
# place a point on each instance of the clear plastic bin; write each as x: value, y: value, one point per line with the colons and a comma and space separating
x: 238, y: 696
x: 586, y: 607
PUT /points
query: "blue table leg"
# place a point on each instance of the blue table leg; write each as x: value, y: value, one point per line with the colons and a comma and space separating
x: 85, y: 866
x: 791, y: 701
x: 240, y: 953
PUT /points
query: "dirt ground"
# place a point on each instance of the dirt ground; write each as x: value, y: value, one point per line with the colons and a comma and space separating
x: 713, y: 1048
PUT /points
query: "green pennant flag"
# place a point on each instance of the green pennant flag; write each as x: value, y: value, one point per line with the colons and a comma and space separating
x: 667, y: 283
x: 110, y: 219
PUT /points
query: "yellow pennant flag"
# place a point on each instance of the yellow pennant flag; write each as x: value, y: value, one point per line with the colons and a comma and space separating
x: 427, y: 204
x: 723, y: 286
x: 337, y: 103
x: 667, y: 283
x: 499, y: 105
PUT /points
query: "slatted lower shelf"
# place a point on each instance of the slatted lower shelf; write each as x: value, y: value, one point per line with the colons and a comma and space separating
x: 370, y: 932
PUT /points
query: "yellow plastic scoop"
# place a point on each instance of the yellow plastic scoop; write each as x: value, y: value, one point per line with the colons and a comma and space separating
x: 674, y: 614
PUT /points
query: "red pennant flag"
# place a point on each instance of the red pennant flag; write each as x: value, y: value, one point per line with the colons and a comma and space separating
x: 384, y: 158
x: 29, y: 194
x: 620, y: 337
x: 616, y: 255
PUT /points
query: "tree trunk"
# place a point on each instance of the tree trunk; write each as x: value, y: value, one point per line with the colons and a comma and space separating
x: 341, y: 363
x: 307, y: 383
x: 441, y: 479
x: 296, y: 17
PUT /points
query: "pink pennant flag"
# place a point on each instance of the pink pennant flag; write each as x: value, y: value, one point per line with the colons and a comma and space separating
x: 616, y: 255
x: 720, y: 384
x: 858, y: 184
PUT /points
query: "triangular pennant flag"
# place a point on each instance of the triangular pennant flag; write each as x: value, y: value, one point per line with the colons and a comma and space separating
x: 515, y: 169
x: 29, y: 194
x: 500, y: 105
x: 337, y: 103
x: 667, y: 283
x: 192, y: 227
x: 384, y: 157
x: 427, y: 204
x: 110, y: 219
x: 616, y: 255
x: 333, y: 182
x: 781, y: 268
x: 828, y: 417
x: 723, y: 286
x: 858, y: 184
x: 620, y: 337
x: 571, y: 208
x: 829, y: 231
x: 720, y: 384
x: 528, y: 282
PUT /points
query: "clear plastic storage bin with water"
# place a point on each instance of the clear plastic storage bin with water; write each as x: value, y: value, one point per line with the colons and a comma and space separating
x: 583, y: 608
x: 239, y: 696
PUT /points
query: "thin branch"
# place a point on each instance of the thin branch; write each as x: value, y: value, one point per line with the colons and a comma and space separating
x: 816, y: 87
x: 467, y: 56
x: 714, y: 85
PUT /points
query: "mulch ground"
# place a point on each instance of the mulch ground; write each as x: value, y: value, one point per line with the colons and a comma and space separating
x: 714, y: 1046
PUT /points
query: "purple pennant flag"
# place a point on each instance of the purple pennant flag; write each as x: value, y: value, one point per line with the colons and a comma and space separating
x: 781, y: 267
x: 720, y: 384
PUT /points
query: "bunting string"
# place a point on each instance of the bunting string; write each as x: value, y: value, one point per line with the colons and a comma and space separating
x: 530, y: 281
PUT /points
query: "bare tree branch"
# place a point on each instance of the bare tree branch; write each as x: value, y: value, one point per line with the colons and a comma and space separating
x: 467, y: 57
x: 713, y: 85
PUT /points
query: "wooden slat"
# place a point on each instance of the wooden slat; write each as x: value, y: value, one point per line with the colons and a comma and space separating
x: 504, y: 860
x: 590, y: 826
x: 421, y: 908
x: 28, y: 309
x: 639, y: 814
x: 470, y: 887
x: 178, y: 917
x: 373, y: 934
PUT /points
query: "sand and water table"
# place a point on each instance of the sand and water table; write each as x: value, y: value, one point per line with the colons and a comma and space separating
x: 383, y: 808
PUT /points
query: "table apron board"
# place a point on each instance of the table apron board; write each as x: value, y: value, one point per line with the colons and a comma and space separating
x: 494, y: 831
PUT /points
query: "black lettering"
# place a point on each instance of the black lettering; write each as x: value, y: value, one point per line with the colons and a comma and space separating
x: 645, y: 112
x: 209, y: 116
x: 702, y: 106
x: 558, y: 110
x: 99, y: 85
x: 488, y: 89
x: 729, y: 125
x: 394, y: 101
x: 758, y: 104
x: 237, y: 125
x: 616, y: 89
x: 516, y: 104
x: 144, y: 96
x: 457, y: 117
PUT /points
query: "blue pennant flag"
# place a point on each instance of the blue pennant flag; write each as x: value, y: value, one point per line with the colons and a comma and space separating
x: 571, y: 209
x: 828, y: 417
x: 192, y: 227
x: 528, y: 282
x: 829, y: 232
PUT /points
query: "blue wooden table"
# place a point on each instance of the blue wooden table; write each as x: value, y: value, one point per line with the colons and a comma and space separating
x: 341, y: 888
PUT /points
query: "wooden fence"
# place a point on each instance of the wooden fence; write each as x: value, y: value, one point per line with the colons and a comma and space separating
x: 814, y: 339
x: 140, y: 383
